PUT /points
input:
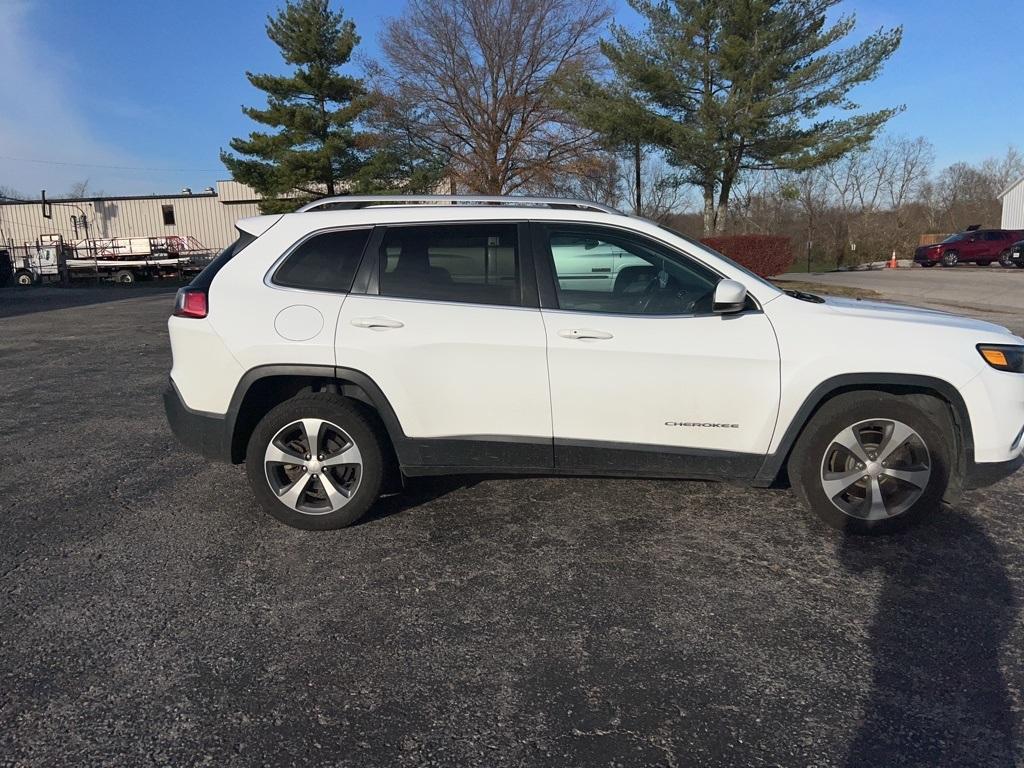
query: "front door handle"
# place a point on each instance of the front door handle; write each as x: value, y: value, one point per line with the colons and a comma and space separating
x: 377, y: 323
x: 583, y: 333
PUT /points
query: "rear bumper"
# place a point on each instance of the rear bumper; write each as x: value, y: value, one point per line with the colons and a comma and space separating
x: 988, y: 473
x: 203, y: 433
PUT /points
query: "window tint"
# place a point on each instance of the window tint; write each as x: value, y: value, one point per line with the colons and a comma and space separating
x: 597, y: 271
x: 476, y: 263
x: 325, y: 262
x: 993, y: 235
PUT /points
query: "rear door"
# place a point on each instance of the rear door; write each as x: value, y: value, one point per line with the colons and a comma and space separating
x: 449, y: 328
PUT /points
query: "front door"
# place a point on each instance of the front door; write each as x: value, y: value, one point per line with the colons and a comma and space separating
x: 645, y: 377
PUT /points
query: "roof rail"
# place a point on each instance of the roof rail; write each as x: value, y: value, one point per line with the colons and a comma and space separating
x: 353, y: 202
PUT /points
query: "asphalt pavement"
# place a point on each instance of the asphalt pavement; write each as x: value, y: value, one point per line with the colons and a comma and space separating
x: 150, y: 614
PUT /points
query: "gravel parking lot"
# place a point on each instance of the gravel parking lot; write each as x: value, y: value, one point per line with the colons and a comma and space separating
x: 149, y: 614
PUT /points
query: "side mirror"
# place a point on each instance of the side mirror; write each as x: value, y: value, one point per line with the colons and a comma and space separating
x: 730, y: 297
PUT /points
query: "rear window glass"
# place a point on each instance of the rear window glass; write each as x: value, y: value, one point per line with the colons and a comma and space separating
x: 324, y: 262
x: 471, y: 263
x: 205, y: 277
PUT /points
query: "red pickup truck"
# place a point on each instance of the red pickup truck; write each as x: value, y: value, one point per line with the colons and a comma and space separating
x: 980, y: 246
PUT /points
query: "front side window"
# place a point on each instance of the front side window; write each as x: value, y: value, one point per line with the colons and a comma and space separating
x: 471, y: 263
x: 324, y: 262
x: 605, y: 272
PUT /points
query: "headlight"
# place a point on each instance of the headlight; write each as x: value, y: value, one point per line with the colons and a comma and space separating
x: 1003, y: 357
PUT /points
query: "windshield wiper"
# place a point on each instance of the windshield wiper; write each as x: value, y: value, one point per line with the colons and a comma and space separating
x: 810, y: 297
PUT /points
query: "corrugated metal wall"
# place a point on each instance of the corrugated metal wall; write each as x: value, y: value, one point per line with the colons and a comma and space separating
x: 210, y: 218
x: 1013, y: 207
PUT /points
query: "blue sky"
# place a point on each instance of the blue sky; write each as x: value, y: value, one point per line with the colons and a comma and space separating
x: 152, y: 91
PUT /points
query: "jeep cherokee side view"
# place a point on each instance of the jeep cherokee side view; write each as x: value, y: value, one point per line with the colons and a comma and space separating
x: 368, y: 337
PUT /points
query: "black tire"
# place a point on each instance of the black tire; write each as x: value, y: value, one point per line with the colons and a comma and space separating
x: 337, y: 412
x: 927, y: 264
x: 124, y: 277
x: 950, y: 259
x: 807, y: 463
x: 983, y: 263
x: 1005, y: 260
x: 23, y: 278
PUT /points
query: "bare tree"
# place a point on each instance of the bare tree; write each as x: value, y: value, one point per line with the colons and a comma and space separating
x: 475, y: 82
x: 82, y: 189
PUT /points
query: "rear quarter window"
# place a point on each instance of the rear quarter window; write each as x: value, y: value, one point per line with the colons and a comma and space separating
x: 324, y: 262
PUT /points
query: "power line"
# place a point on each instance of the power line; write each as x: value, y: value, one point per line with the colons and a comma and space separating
x: 111, y: 167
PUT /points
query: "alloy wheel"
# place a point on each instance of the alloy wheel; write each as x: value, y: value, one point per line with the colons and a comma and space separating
x: 875, y: 469
x: 313, y: 466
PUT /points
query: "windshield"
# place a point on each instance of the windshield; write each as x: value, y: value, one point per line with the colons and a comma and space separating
x: 955, y: 238
x: 740, y: 267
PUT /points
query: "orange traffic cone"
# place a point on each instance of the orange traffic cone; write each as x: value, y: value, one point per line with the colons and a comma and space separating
x: 892, y: 261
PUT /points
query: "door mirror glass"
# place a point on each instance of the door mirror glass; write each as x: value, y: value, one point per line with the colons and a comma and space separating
x: 730, y: 297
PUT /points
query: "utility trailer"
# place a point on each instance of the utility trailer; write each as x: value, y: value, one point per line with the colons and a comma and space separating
x: 123, y: 260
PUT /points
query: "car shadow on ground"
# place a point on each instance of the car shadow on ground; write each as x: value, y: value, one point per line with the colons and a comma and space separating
x: 16, y: 301
x: 416, y: 492
x: 938, y: 696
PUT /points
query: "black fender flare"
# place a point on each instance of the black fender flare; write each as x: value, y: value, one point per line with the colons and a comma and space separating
x: 774, y: 462
x: 351, y: 383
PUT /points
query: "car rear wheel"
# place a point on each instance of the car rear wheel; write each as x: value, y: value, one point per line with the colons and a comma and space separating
x: 950, y: 258
x: 315, y: 462
x: 872, y: 462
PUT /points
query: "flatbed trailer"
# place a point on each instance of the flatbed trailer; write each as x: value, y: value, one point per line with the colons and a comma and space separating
x: 49, y: 262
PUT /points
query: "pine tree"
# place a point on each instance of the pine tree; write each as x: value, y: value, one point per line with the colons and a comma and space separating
x: 726, y: 86
x: 318, y: 147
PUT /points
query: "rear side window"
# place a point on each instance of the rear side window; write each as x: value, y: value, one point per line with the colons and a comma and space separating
x: 470, y: 263
x: 324, y: 262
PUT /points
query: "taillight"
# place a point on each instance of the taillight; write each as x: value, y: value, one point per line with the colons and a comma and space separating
x: 190, y: 302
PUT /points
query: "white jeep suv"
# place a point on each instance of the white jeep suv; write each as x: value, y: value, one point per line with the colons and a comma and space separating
x: 368, y: 338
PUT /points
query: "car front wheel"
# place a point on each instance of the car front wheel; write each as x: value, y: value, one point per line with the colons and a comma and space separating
x: 950, y: 258
x: 315, y: 462
x: 1005, y: 259
x: 872, y: 462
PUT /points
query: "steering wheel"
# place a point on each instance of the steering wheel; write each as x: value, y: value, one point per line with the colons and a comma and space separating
x: 654, y: 289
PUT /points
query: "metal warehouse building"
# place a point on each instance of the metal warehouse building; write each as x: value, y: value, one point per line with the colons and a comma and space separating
x: 208, y: 216
x: 1013, y: 205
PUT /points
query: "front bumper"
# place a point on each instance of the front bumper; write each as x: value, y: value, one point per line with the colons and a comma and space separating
x: 203, y: 433
x: 927, y: 257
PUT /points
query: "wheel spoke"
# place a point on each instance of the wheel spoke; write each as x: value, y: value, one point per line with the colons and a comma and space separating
x: 277, y: 455
x: 850, y: 440
x: 337, y: 496
x: 895, y: 437
x: 835, y: 484
x: 874, y: 503
x: 293, y: 493
x: 350, y: 455
x: 312, y: 429
x: 916, y: 477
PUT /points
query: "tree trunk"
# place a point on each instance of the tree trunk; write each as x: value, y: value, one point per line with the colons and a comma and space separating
x: 637, y: 168
x: 721, y: 216
x: 709, y: 210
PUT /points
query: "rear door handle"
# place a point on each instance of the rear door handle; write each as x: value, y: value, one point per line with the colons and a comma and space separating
x: 377, y: 323
x: 583, y: 333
